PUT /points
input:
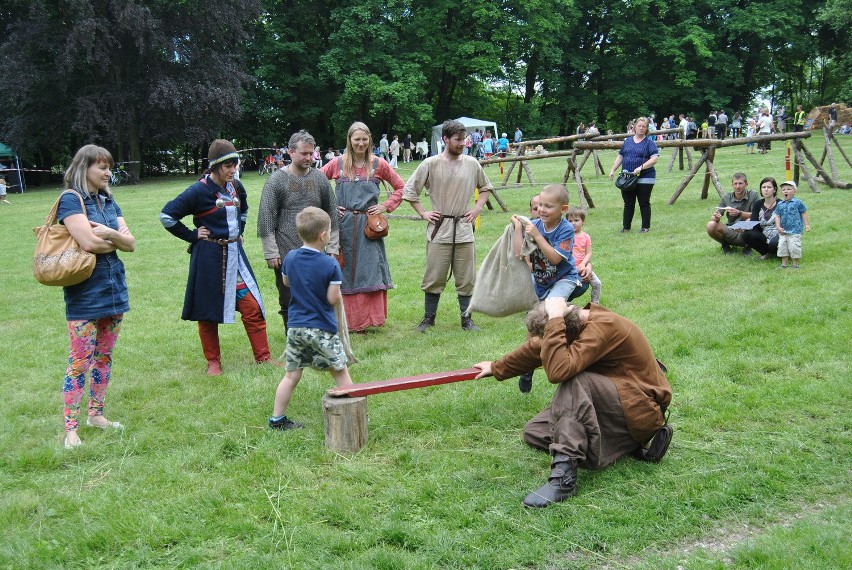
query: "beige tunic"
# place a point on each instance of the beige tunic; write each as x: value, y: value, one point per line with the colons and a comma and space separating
x: 450, y: 192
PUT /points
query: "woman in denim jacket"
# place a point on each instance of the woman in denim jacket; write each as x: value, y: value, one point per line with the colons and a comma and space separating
x: 94, y: 308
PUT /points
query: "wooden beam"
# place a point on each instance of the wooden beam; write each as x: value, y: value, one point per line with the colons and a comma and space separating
x: 525, y: 157
x: 407, y: 383
x: 696, y: 143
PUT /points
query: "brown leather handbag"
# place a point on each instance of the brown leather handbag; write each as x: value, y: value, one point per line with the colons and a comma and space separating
x: 376, y: 226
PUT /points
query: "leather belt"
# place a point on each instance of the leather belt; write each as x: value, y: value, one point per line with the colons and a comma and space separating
x: 222, y: 242
x: 441, y: 221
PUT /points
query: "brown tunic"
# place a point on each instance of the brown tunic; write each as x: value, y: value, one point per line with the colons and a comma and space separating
x: 609, y: 345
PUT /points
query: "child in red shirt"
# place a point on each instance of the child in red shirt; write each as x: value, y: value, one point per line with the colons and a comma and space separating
x: 583, y: 250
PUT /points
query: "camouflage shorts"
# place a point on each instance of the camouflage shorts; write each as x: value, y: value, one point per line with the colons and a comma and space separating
x: 313, y: 348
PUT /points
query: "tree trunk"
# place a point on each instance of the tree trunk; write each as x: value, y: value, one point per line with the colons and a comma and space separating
x: 532, y: 72
x: 134, y: 153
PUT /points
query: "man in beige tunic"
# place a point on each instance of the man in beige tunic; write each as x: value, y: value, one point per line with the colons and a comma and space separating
x: 451, y: 178
x: 611, y: 398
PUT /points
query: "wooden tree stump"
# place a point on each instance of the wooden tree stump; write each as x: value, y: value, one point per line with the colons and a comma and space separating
x: 345, y: 423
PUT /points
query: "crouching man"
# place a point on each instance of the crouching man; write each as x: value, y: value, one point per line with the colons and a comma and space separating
x: 611, y: 399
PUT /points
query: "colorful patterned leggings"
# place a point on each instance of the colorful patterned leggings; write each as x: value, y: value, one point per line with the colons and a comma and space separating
x: 91, y: 350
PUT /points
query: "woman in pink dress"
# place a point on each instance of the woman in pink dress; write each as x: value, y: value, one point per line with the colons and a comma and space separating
x: 366, y: 272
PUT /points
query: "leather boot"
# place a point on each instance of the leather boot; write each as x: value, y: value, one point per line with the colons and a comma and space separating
x: 209, y: 334
x: 255, y: 326
x: 658, y: 446
x: 259, y: 346
x: 561, y: 484
x: 467, y: 324
x: 428, y: 321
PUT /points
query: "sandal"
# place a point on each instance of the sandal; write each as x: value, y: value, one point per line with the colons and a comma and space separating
x: 72, y: 444
x: 108, y: 425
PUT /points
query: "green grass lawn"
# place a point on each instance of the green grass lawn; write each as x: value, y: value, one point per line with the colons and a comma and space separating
x: 757, y: 476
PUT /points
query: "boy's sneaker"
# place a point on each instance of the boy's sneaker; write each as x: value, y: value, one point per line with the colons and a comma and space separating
x: 284, y: 423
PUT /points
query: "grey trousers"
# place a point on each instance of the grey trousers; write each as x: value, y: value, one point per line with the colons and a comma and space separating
x: 584, y: 421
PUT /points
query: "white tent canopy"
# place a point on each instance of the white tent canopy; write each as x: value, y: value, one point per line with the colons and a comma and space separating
x: 469, y: 123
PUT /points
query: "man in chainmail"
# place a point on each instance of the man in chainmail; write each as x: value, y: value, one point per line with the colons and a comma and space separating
x: 287, y: 192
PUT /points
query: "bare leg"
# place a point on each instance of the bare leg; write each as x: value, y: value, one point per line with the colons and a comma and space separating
x: 341, y: 377
x: 285, y: 392
x: 716, y: 230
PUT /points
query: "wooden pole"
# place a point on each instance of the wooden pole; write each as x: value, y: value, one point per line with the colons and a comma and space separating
x: 840, y: 148
x: 493, y: 192
x: 688, y: 178
x: 711, y: 154
x: 828, y: 179
x: 672, y: 161
x: 522, y: 151
x: 345, y: 423
x: 827, y: 133
x: 582, y: 191
x: 526, y: 168
x: 714, y: 177
x: 800, y: 159
x: 598, y: 163
x: 568, y: 170
x: 586, y: 156
x: 508, y: 173
x: 795, y: 162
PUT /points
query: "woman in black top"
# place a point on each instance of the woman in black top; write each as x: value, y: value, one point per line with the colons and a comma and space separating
x: 763, y: 238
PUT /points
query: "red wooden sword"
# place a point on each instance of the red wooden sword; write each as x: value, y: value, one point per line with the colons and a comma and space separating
x: 407, y: 383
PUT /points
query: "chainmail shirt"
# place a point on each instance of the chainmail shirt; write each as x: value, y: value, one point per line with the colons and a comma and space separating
x: 285, y: 195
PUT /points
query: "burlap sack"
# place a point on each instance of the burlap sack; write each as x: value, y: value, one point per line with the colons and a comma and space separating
x: 343, y: 332
x: 504, y: 283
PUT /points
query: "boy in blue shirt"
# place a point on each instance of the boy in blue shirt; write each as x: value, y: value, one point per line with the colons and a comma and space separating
x: 790, y: 218
x: 314, y: 279
x: 553, y: 269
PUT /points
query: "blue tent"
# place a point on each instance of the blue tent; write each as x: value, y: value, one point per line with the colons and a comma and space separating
x: 10, y: 169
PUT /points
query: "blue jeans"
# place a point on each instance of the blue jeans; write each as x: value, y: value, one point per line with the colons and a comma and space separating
x: 566, y: 289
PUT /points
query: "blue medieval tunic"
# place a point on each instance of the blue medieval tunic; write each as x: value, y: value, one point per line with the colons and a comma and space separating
x: 215, y: 269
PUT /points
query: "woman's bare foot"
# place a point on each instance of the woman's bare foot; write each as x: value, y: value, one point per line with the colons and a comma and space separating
x: 101, y: 422
x: 72, y: 440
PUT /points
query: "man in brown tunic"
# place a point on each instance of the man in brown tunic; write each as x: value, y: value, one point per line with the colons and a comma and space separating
x: 611, y: 398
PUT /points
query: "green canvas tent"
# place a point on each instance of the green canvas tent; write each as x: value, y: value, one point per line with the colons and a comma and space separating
x: 10, y: 169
